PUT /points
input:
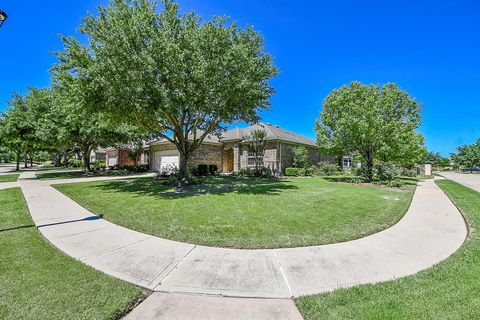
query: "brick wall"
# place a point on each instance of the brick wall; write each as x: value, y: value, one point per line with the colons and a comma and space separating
x: 205, y: 154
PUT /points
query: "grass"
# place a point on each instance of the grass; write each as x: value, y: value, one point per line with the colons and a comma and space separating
x: 446, y: 291
x: 9, y: 177
x: 77, y: 173
x: 39, y: 282
x: 246, y: 213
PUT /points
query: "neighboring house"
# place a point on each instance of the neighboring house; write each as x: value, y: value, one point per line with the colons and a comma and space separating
x: 230, y: 151
x: 99, y: 154
x: 120, y: 156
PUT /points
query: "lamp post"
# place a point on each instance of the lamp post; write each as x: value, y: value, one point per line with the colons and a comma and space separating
x: 3, y: 17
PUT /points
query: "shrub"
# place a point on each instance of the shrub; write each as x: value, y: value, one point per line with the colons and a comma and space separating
x: 294, y: 172
x: 347, y: 179
x: 385, y: 171
x: 395, y: 183
x: 300, y: 157
x: 409, y: 172
x: 202, y: 170
x: 261, y: 173
x: 213, y: 169
x: 327, y: 168
x: 136, y: 169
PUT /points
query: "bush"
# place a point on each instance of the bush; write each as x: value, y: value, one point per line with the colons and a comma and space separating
x: 347, y: 179
x: 135, y: 169
x: 262, y: 173
x: 99, y: 165
x: 385, y: 171
x: 327, y: 169
x: 213, y: 169
x: 202, y: 170
x: 300, y: 157
x: 75, y: 163
x: 294, y: 172
x: 395, y: 183
x: 409, y: 172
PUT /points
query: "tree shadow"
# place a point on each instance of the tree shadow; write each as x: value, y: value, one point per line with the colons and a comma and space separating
x: 214, y: 186
x: 17, y: 227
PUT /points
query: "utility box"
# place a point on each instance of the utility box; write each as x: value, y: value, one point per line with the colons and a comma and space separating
x: 428, y: 169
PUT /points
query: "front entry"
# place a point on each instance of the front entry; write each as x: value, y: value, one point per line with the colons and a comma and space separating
x: 228, y: 161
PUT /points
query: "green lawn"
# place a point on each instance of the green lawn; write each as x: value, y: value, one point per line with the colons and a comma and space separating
x: 76, y: 173
x: 39, y: 282
x: 246, y: 213
x: 448, y: 291
x: 9, y: 177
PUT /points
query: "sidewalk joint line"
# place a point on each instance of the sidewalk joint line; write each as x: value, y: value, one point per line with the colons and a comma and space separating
x: 176, y: 266
x: 283, y: 274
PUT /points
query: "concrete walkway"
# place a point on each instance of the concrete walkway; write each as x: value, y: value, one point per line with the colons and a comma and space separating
x: 431, y: 231
x: 467, y: 179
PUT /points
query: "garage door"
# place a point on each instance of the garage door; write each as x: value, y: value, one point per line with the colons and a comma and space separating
x: 112, y: 162
x: 166, y: 160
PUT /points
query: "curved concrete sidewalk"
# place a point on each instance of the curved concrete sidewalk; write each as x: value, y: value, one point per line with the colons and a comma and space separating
x: 431, y: 230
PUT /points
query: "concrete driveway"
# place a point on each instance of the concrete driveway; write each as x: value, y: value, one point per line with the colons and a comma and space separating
x: 471, y: 180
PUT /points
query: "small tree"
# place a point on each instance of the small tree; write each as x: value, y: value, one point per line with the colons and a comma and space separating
x: 256, y: 146
x: 300, y: 157
x: 135, y: 150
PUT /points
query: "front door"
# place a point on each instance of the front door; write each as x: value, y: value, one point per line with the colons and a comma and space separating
x: 228, y: 164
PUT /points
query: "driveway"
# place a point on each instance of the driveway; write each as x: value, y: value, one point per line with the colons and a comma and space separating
x: 467, y: 179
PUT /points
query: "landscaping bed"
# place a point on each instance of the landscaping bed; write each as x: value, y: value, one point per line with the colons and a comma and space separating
x: 39, y: 282
x: 246, y: 212
x: 446, y: 291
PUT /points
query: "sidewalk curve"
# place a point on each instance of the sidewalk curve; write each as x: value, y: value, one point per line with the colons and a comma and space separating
x: 431, y: 230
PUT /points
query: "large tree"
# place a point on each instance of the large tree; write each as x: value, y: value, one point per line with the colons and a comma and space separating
x: 177, y: 77
x: 377, y: 122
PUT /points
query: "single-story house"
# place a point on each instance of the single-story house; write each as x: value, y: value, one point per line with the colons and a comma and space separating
x: 120, y: 156
x: 230, y: 151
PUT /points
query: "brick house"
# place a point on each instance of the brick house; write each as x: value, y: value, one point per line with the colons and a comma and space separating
x: 230, y: 152
x: 120, y: 157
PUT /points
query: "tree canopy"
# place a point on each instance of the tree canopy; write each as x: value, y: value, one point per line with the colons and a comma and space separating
x: 176, y: 76
x: 376, y: 122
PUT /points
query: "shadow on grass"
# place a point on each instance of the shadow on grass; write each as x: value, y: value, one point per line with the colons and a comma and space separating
x: 17, y: 227
x: 78, y: 174
x: 215, y: 186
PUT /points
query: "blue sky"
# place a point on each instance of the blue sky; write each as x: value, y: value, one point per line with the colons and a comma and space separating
x: 430, y: 48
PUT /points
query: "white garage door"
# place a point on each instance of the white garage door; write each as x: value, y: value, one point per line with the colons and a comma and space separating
x: 112, y: 162
x: 166, y: 160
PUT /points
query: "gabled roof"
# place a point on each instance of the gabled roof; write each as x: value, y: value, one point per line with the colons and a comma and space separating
x: 273, y: 133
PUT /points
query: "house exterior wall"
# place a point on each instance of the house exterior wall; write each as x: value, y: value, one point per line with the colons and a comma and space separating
x: 204, y: 154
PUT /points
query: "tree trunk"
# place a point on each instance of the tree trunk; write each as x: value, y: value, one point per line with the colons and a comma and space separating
x: 18, y: 162
x: 25, y: 161
x: 65, y: 158
x: 369, y: 158
x: 182, y: 170
x: 86, y: 159
x: 31, y: 161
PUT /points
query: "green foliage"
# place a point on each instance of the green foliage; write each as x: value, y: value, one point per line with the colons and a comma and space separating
x: 436, y: 159
x: 346, y: 179
x: 300, y: 157
x: 294, y: 172
x: 327, y: 169
x: 386, y: 171
x: 172, y: 72
x: 468, y: 155
x: 212, y: 169
x: 202, y: 170
x: 377, y: 122
x: 256, y: 145
x: 262, y: 173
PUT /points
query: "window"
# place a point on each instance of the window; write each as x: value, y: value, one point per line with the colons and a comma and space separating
x: 347, y: 162
x: 251, y: 159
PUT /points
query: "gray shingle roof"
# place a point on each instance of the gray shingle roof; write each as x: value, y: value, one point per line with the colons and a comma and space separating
x: 273, y: 133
